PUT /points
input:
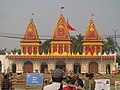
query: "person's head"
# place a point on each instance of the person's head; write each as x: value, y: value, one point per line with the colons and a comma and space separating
x: 57, y: 75
x: 6, y: 76
x: 90, y: 75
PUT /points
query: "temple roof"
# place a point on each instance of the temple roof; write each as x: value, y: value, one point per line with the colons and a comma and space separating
x: 91, y: 32
x: 61, y: 32
x: 31, y: 32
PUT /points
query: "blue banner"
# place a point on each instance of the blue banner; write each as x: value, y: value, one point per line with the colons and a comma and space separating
x: 34, y: 79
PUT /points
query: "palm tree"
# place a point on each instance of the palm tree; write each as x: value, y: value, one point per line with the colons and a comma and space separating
x: 109, y: 46
x: 45, y: 47
x: 3, y: 51
x: 77, y: 43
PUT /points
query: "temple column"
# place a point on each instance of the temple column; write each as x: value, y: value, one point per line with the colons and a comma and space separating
x: 52, y: 48
x: 51, y: 65
x: 37, y: 50
x: 32, y: 50
x: 69, y: 67
x: 95, y: 49
x: 21, y: 49
x: 27, y: 50
x: 83, y: 67
x: 100, y: 49
x: 69, y: 49
x: 57, y: 47
x: 63, y: 47
x: 84, y: 49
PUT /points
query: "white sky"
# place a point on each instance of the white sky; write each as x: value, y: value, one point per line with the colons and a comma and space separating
x: 15, y: 16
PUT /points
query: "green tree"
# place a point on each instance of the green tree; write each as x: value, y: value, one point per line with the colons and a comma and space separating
x: 77, y: 43
x: 16, y: 50
x: 3, y: 51
x: 45, y: 47
x: 109, y: 46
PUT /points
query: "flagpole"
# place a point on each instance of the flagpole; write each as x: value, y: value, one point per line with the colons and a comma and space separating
x: 32, y: 15
x: 92, y: 15
x: 62, y: 9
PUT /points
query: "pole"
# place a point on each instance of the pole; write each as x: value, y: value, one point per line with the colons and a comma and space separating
x: 115, y: 48
x: 115, y: 39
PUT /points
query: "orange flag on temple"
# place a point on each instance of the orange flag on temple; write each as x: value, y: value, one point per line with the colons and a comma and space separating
x: 69, y: 26
x: 91, y: 49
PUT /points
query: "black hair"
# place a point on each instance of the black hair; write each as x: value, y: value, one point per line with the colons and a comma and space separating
x: 91, y: 75
x: 57, y: 79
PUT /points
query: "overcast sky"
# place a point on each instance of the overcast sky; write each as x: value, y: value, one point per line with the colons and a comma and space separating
x: 15, y: 16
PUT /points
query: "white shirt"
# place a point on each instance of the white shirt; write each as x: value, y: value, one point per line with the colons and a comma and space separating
x: 53, y: 86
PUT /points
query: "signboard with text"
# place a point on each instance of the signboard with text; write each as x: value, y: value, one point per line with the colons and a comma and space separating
x: 117, y: 85
x: 34, y: 79
x: 102, y: 84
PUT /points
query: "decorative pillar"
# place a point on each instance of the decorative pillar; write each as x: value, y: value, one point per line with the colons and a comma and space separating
x: 84, y: 48
x: 63, y: 47
x: 32, y: 50
x: 69, y: 49
x: 95, y: 49
x: 26, y: 49
x: 57, y: 47
x: 37, y: 49
x: 21, y: 49
x: 100, y: 49
x: 52, y: 48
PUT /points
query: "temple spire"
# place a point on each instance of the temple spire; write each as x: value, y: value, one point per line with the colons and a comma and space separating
x: 92, y: 41
x: 61, y: 42
x: 30, y: 43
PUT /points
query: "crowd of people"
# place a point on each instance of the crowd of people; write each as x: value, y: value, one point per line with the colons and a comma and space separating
x: 59, y: 82
x: 6, y: 84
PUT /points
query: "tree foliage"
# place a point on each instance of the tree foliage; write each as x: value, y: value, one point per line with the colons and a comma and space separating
x: 3, y: 51
x: 45, y: 47
x: 77, y: 43
x: 108, y: 45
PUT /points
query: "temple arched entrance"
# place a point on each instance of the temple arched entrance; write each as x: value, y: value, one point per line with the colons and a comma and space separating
x: 61, y: 65
x: 0, y: 66
x: 14, y: 68
x: 43, y: 67
x: 93, y: 67
x: 77, y: 68
x: 108, y: 69
x: 28, y: 67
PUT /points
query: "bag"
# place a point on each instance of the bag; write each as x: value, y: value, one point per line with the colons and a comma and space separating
x: 68, y: 88
x: 61, y: 86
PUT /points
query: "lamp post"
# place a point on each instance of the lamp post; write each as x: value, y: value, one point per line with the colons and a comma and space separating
x: 102, y: 65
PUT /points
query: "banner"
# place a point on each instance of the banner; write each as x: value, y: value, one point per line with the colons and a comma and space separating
x: 34, y: 79
x: 102, y: 84
x: 117, y: 85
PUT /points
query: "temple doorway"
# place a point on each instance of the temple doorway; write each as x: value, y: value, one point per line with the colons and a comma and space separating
x: 44, y: 67
x: 93, y: 67
x: 77, y: 68
x: 61, y: 65
x: 28, y: 67
x: 108, y: 69
x: 13, y: 68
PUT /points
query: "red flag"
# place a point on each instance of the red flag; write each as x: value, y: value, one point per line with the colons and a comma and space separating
x: 69, y: 27
x: 62, y: 7
x: 91, y: 49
